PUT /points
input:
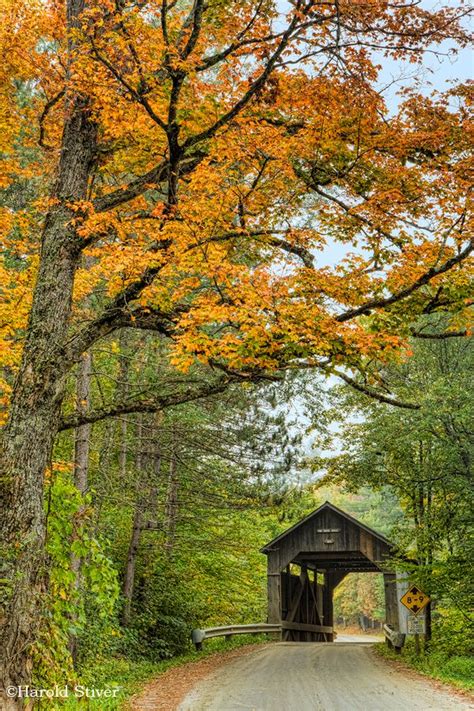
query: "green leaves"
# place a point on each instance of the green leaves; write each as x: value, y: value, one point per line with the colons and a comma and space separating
x: 422, y: 459
x: 67, y: 605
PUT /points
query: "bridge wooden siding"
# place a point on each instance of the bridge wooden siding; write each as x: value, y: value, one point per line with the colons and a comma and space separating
x: 307, y: 562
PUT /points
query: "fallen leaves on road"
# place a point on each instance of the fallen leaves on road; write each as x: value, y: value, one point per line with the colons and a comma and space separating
x: 168, y: 690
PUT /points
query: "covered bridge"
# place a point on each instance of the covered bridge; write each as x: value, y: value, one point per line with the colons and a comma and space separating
x: 325, y: 546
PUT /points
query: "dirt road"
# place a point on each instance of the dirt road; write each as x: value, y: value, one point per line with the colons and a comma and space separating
x: 316, y: 677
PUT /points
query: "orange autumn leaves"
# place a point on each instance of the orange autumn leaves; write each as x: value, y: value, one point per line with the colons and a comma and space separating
x: 312, y: 161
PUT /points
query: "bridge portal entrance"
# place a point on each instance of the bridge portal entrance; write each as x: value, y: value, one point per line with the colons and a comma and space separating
x: 305, y: 564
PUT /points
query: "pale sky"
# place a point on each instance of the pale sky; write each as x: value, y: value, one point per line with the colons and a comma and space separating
x: 436, y: 72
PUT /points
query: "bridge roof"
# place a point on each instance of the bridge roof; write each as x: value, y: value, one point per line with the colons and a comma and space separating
x: 267, y: 548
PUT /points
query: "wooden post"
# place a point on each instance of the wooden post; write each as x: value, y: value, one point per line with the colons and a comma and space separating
x: 391, y: 603
x: 391, y: 606
x: 319, y: 598
x: 328, y: 609
x: 274, y: 587
x: 428, y: 622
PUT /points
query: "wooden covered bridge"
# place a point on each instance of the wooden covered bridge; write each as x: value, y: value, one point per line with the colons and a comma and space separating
x: 306, y: 562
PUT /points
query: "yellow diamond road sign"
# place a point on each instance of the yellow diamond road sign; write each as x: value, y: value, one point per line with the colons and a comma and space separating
x: 415, y: 599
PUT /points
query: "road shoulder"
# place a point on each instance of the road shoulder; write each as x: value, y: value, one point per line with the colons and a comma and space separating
x: 167, y: 691
x: 409, y: 672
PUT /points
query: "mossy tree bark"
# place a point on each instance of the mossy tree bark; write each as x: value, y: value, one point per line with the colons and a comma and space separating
x: 29, y: 434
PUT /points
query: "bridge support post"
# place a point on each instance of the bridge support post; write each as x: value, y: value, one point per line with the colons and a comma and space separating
x: 328, y: 607
x: 274, y: 587
x: 391, y: 604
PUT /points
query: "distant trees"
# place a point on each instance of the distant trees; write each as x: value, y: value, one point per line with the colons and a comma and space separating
x: 170, y: 500
x: 425, y: 458
x: 360, y: 595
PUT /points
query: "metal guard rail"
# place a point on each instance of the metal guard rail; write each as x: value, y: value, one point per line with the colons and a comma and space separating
x: 396, y: 639
x: 198, y: 636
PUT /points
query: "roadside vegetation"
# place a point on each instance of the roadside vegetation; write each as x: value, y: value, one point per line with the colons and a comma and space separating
x: 128, y: 677
x: 453, y: 668
x: 421, y: 463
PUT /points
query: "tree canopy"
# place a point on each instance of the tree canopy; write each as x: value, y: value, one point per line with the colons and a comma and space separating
x: 179, y: 169
x: 229, y: 146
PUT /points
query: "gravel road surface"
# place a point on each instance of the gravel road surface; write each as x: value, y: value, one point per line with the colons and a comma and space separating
x: 316, y: 677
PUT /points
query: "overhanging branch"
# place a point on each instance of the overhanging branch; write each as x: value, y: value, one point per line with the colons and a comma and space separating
x: 127, y: 407
x: 404, y: 293
x: 367, y: 389
x: 119, y: 315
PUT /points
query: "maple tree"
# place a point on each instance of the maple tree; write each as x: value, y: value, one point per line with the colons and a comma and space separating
x: 178, y: 167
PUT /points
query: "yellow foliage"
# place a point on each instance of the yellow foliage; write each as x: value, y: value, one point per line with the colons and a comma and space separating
x: 313, y: 160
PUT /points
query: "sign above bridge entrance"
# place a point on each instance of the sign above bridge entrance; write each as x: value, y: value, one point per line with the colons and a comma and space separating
x: 415, y: 599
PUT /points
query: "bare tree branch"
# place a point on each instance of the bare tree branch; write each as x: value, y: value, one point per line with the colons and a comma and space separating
x: 196, y: 15
x: 135, y: 93
x: 440, y: 336
x: 47, y: 108
x: 404, y: 293
x: 371, y: 392
x: 255, y: 86
x: 142, y: 183
x: 126, y: 407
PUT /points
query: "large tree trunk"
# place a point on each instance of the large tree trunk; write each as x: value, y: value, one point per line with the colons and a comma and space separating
x: 36, y: 401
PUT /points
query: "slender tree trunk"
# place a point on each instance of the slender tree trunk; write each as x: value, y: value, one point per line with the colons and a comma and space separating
x: 123, y: 387
x: 82, y: 439
x: 36, y: 401
x: 156, y: 465
x: 429, y: 561
x: 81, y: 461
x: 171, y: 507
x: 129, y: 577
x: 137, y: 527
